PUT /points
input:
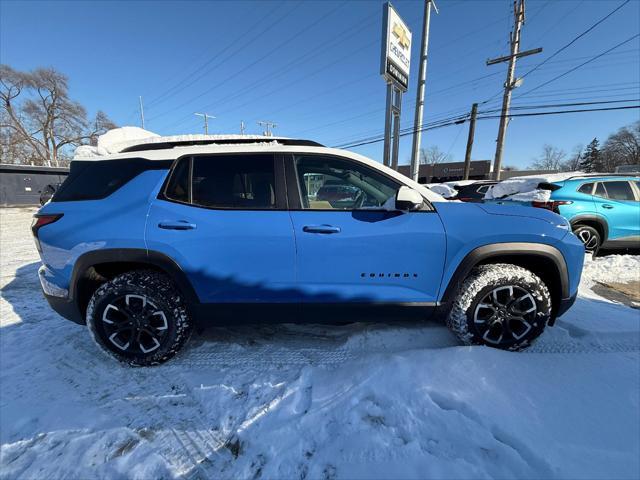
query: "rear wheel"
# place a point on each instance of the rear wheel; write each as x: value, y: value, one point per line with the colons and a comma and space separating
x: 502, y: 306
x: 139, y: 318
x: 589, y: 236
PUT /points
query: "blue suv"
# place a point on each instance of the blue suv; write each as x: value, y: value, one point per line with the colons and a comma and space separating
x: 164, y: 237
x: 603, y: 210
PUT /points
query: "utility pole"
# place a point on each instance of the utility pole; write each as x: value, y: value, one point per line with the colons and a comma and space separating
x: 268, y: 126
x: 472, y: 131
x: 141, y: 112
x: 417, y: 122
x: 241, y: 128
x: 511, y: 83
x: 206, y: 123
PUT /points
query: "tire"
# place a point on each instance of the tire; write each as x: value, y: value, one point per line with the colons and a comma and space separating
x: 589, y: 236
x: 480, y: 318
x: 139, y: 318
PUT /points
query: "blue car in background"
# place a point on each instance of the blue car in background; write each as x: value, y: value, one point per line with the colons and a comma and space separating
x: 603, y: 210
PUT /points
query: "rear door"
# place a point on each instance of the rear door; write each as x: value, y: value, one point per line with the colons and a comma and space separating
x: 615, y: 200
x: 353, y: 249
x: 223, y: 219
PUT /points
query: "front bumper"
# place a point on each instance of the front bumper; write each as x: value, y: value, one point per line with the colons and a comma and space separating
x: 565, y: 304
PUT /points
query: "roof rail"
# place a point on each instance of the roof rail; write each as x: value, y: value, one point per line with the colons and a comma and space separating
x: 595, y: 175
x: 165, y: 145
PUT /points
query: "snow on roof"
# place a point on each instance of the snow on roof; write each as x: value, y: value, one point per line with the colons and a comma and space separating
x: 442, y: 189
x: 525, y: 188
x: 119, y: 139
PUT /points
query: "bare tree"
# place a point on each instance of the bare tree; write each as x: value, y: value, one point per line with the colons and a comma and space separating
x: 433, y: 155
x: 38, y: 112
x: 573, y: 162
x: 622, y: 148
x: 550, y: 159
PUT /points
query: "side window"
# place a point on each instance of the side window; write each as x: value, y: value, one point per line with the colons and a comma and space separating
x: 483, y: 189
x: 620, y: 190
x: 586, y: 188
x: 601, y: 191
x: 178, y: 186
x: 330, y: 183
x: 234, y: 181
x: 96, y: 179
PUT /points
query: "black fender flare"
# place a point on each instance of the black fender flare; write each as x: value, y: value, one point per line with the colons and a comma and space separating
x: 132, y: 255
x: 592, y: 217
x: 520, y: 249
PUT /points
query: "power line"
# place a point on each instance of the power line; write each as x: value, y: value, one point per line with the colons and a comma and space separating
x: 160, y: 98
x: 457, y: 121
x: 564, y: 47
x: 579, y: 66
x: 272, y: 51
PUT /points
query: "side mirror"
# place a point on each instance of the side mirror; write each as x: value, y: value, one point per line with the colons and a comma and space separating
x: 408, y: 199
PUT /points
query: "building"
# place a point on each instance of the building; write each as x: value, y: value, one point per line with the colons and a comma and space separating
x: 450, y: 171
x: 22, y: 184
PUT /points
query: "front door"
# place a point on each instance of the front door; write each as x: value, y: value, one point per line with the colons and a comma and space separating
x: 616, y: 202
x: 352, y: 245
x: 223, y: 219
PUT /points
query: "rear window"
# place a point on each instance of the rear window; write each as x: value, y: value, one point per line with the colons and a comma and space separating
x: 224, y: 181
x: 96, y: 179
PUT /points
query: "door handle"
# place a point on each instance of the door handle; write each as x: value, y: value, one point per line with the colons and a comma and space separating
x: 177, y: 225
x: 607, y: 206
x: 321, y: 229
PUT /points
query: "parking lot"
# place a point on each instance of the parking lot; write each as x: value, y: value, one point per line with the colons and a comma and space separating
x: 287, y: 401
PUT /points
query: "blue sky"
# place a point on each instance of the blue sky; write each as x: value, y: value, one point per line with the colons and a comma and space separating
x: 312, y: 66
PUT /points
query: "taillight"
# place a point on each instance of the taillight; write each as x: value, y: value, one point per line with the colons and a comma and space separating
x: 40, y: 221
x: 551, y: 205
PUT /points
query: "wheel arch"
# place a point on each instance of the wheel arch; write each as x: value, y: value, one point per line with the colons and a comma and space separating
x: 94, y: 268
x: 545, y: 261
x: 592, y: 220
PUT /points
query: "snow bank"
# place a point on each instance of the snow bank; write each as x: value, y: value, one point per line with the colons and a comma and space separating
x: 525, y: 188
x: 612, y: 268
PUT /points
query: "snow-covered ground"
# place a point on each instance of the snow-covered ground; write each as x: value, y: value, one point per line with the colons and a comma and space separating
x: 358, y: 401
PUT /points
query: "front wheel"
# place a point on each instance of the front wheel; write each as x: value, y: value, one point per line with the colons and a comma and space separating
x: 139, y: 318
x: 502, y: 306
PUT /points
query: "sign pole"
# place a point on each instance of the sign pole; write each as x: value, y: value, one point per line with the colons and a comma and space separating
x: 417, y: 122
x: 394, y: 68
x: 387, y: 126
x: 397, y: 109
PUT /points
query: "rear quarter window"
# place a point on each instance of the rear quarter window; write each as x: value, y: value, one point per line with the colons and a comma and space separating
x: 96, y: 179
x: 586, y: 188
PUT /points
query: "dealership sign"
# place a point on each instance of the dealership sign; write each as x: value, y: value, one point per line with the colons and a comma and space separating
x: 396, y: 48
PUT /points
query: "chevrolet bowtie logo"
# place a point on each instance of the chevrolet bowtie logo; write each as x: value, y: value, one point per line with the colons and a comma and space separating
x: 401, y: 33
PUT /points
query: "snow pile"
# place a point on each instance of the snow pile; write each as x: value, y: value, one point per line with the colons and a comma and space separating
x: 612, y: 268
x: 113, y: 141
x: 398, y: 400
x: 525, y: 188
x: 442, y: 189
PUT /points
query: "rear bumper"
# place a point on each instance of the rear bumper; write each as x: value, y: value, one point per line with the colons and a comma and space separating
x: 58, y: 297
x: 65, y: 308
